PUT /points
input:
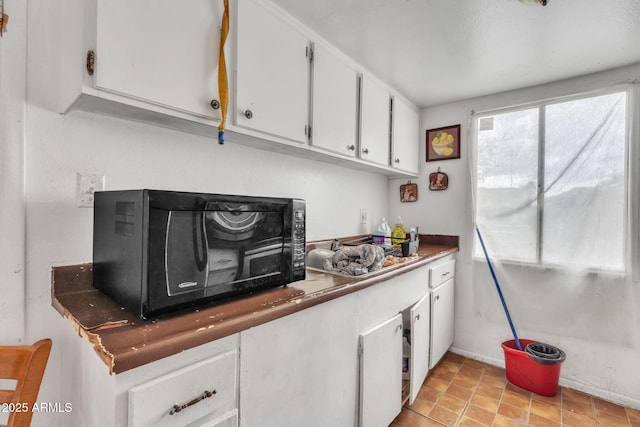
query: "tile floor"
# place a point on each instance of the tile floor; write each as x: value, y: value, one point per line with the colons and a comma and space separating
x: 465, y: 392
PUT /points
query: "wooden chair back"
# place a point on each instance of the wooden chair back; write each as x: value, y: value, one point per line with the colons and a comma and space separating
x: 25, y: 364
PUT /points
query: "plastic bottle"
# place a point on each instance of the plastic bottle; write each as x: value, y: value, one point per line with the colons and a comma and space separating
x: 398, y: 234
x: 382, y: 233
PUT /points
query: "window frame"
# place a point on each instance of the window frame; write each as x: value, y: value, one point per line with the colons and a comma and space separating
x: 631, y: 208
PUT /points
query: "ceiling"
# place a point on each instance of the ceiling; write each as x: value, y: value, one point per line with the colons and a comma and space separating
x: 439, y: 51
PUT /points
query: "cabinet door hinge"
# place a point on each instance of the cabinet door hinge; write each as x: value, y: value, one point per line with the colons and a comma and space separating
x: 4, y: 20
x: 307, y: 131
x: 91, y: 62
x: 309, y: 53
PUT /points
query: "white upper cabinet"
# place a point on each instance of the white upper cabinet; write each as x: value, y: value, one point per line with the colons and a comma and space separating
x: 375, y: 116
x: 335, y: 103
x: 157, y: 61
x: 406, y: 129
x: 273, y: 71
x: 160, y: 52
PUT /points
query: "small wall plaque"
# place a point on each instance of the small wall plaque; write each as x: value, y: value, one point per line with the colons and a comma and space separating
x: 438, y: 181
x: 408, y: 192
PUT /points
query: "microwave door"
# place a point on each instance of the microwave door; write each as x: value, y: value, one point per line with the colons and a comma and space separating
x: 186, y: 256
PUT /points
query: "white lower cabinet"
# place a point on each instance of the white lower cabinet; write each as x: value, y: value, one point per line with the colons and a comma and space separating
x: 199, y: 385
x: 338, y: 363
x: 442, y: 309
x: 301, y: 369
x: 380, y: 376
x: 383, y: 387
x: 419, y: 322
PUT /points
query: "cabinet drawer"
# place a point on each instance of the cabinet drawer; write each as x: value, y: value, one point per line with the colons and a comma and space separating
x: 151, y: 403
x: 441, y: 273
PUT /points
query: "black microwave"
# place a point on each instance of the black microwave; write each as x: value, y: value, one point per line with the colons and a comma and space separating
x: 156, y: 252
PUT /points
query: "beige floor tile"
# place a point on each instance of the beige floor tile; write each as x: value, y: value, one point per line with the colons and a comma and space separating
x: 586, y: 410
x: 502, y: 421
x: 422, y: 406
x: 486, y: 402
x: 490, y: 391
x: 604, y: 407
x: 572, y: 419
x: 460, y: 391
x: 555, y: 400
x: 453, y: 403
x: 470, y: 372
x: 515, y: 413
x: 538, y: 421
x: 437, y: 383
x: 480, y: 414
x: 633, y: 414
x: 575, y: 396
x: 469, y: 422
x: 516, y: 399
x: 605, y: 419
x: 444, y: 415
x: 545, y: 410
x: 409, y: 418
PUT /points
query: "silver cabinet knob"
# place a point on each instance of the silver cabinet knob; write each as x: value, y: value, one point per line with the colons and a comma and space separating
x: 351, y: 147
x: 248, y: 114
x: 215, y: 104
x: 365, y: 151
x: 397, y: 160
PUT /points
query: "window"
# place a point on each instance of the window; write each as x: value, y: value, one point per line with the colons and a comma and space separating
x: 551, y: 184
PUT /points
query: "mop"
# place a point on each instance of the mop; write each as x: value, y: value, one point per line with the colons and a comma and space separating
x: 495, y: 280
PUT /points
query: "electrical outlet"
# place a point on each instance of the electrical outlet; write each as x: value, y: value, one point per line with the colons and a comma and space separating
x: 363, y: 217
x: 86, y: 185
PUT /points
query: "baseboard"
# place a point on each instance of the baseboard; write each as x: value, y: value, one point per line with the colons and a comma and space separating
x: 585, y: 388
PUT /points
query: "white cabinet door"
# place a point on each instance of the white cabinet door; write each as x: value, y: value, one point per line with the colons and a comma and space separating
x: 419, y: 365
x: 442, y: 317
x: 335, y: 103
x: 374, y: 122
x: 301, y: 369
x: 273, y: 71
x: 381, y: 373
x: 406, y: 129
x: 160, y: 51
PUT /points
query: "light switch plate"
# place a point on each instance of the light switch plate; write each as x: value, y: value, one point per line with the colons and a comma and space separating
x: 86, y: 185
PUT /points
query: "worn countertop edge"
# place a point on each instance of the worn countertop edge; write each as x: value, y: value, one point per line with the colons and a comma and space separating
x: 120, y: 360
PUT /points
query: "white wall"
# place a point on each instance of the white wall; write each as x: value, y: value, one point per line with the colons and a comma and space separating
x: 596, y: 324
x: 12, y: 127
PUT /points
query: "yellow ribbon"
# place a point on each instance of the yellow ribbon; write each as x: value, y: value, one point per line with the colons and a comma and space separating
x: 223, y: 84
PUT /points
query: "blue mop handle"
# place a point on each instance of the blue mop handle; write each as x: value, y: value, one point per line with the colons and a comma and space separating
x: 495, y: 280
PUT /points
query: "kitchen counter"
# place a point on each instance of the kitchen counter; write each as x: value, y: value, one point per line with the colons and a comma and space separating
x: 124, y: 342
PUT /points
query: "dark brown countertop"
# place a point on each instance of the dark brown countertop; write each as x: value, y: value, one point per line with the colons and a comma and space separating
x: 123, y: 341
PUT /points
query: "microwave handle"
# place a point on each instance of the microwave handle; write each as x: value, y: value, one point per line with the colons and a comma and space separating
x: 200, y: 241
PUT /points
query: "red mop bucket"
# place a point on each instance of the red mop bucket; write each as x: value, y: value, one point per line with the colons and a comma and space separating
x: 536, y: 369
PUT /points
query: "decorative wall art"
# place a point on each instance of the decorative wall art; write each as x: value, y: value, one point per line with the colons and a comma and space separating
x: 408, y: 192
x: 443, y: 143
x: 438, y: 181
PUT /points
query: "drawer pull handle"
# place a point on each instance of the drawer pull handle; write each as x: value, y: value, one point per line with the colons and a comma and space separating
x: 177, y: 408
x: 446, y: 274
